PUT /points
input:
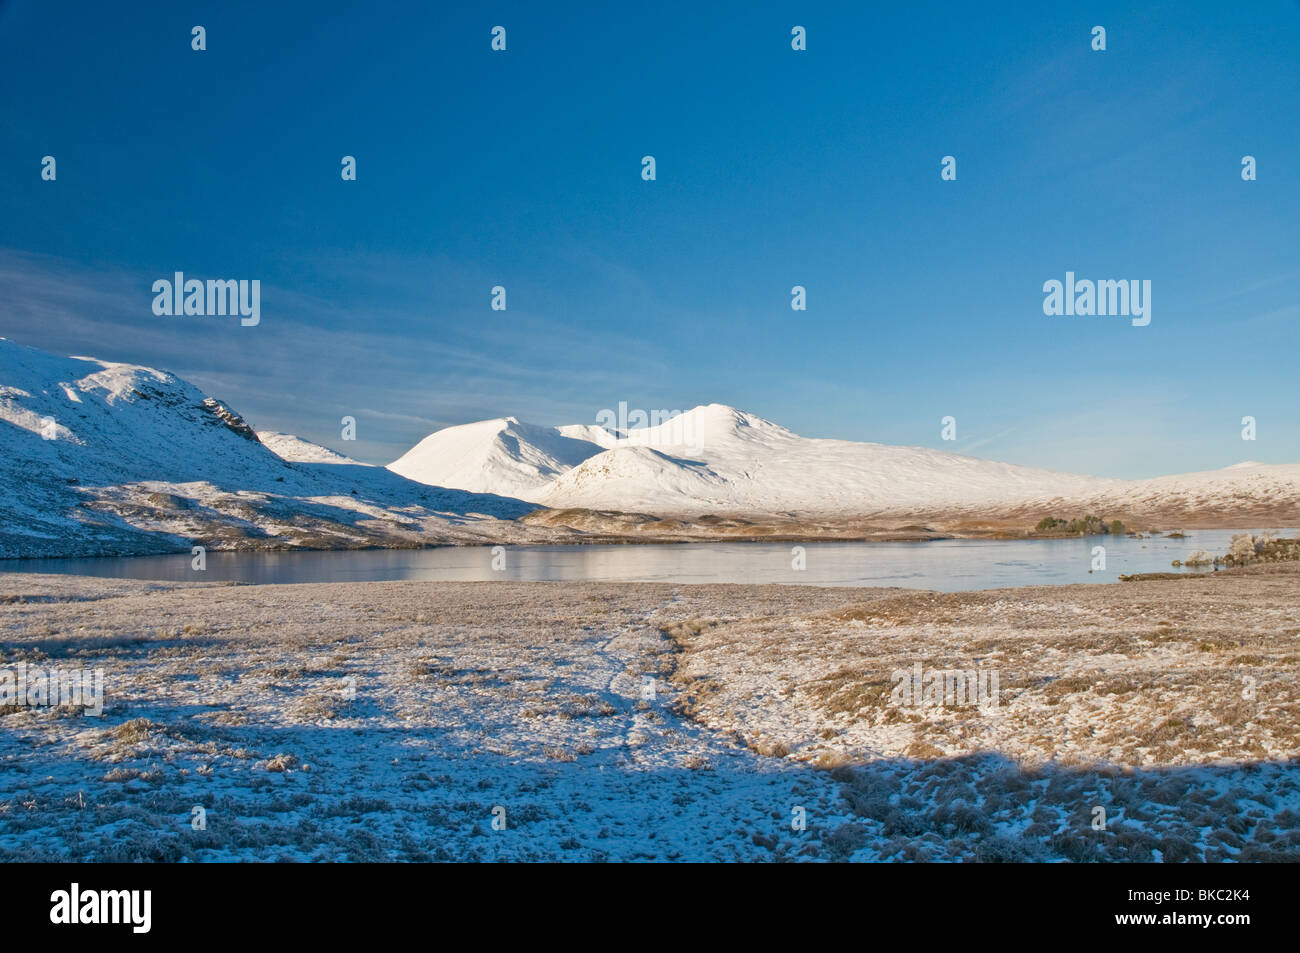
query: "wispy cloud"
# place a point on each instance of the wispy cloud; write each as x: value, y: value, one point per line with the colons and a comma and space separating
x: 313, y: 360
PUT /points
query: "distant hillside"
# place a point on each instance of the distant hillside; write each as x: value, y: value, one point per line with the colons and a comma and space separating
x: 718, y: 459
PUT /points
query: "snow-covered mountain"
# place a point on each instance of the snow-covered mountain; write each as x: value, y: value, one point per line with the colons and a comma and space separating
x: 102, y: 457
x: 512, y: 458
x: 98, y: 457
x: 717, y: 459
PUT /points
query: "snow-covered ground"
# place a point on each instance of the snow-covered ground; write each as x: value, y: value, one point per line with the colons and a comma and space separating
x: 377, y: 721
x: 370, y: 721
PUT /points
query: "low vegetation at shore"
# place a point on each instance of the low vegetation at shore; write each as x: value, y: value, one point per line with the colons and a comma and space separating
x: 1246, y: 550
x: 1086, y: 526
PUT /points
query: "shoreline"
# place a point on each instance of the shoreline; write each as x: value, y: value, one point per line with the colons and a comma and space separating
x: 510, y: 537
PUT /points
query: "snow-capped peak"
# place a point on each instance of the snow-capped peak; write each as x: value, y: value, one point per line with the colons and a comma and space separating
x: 513, y: 457
x: 717, y: 458
x: 712, y: 457
x: 702, y: 425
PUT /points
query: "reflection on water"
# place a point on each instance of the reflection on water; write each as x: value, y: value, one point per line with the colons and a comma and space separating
x: 947, y: 565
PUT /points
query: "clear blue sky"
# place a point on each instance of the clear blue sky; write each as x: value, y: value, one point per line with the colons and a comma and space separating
x: 775, y: 168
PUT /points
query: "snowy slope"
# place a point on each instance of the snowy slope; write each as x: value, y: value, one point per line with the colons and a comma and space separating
x: 1245, y: 494
x: 717, y: 458
x: 114, y: 458
x: 591, y: 433
x: 495, y: 456
x: 286, y: 446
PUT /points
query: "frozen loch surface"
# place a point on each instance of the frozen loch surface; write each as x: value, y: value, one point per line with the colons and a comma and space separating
x: 949, y: 565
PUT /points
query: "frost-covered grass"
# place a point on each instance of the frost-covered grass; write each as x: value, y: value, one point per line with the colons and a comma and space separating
x: 1185, y: 671
x: 989, y: 808
x: 375, y: 721
x: 369, y: 721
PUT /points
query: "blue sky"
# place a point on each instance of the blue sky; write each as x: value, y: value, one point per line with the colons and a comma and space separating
x: 775, y: 168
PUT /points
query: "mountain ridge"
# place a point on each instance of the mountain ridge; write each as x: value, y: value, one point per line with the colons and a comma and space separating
x: 103, y: 457
x: 720, y: 459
